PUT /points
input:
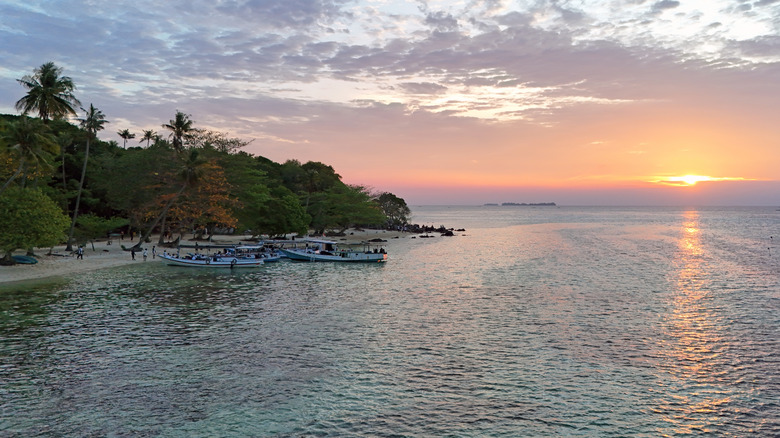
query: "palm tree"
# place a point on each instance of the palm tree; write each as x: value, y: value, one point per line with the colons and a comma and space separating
x: 48, y: 93
x: 149, y: 135
x: 31, y: 142
x: 92, y: 122
x: 189, y: 174
x: 181, y: 129
x: 126, y: 135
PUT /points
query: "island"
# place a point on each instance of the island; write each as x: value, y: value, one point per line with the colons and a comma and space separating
x: 523, y: 204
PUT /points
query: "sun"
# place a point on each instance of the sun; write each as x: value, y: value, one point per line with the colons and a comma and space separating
x: 685, y: 180
x: 691, y: 180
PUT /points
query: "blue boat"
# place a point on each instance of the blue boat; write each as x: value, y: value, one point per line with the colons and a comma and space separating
x: 25, y: 260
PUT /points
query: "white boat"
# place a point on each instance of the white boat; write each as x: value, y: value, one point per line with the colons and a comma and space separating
x: 212, y: 261
x: 266, y: 254
x: 328, y: 251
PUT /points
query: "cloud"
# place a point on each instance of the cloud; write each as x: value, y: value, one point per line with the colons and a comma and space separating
x: 665, y: 5
x: 327, y: 80
x: 423, y: 88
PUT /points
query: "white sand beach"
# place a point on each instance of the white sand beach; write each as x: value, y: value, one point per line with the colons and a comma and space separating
x: 107, y: 255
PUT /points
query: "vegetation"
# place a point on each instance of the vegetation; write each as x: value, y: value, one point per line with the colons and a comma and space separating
x: 30, y: 219
x: 92, y: 123
x: 193, y: 181
x: 48, y: 93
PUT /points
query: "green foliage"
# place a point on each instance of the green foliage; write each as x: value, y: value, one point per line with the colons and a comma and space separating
x: 342, y: 207
x: 166, y: 183
x: 126, y: 135
x: 181, y: 130
x: 91, y: 227
x: 48, y: 93
x: 92, y: 122
x: 274, y: 212
x: 395, y: 208
x: 30, y: 219
x: 218, y: 141
x: 29, y: 144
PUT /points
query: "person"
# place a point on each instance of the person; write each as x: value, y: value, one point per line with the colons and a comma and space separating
x: 145, y: 254
x: 80, y: 253
x: 154, y: 251
x: 132, y: 253
x: 122, y: 235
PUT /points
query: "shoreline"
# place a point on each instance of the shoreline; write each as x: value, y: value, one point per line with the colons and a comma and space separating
x: 112, y: 255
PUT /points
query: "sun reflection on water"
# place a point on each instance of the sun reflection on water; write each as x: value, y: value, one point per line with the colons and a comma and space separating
x: 692, y: 343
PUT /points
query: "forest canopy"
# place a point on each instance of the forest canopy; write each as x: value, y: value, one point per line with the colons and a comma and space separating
x: 174, y: 181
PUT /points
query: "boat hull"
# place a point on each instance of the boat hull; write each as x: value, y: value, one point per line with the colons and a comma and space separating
x: 341, y: 256
x: 230, y: 263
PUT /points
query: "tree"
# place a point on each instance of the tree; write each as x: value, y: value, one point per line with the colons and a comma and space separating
x: 29, y: 142
x: 92, y: 122
x: 189, y: 174
x: 126, y: 135
x: 274, y: 212
x: 91, y: 227
x: 149, y: 135
x: 343, y: 206
x: 48, y: 93
x: 181, y: 130
x: 207, y: 204
x: 64, y: 140
x: 394, y: 208
x: 30, y: 219
x: 217, y: 140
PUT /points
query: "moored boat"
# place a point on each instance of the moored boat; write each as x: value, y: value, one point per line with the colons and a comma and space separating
x: 212, y: 261
x: 266, y: 254
x: 25, y: 260
x: 328, y: 251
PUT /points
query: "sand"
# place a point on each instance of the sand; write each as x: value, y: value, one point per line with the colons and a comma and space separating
x: 107, y: 255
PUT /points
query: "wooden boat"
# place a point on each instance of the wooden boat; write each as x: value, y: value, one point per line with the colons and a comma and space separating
x: 328, y: 251
x: 262, y: 252
x: 212, y: 261
x: 25, y: 260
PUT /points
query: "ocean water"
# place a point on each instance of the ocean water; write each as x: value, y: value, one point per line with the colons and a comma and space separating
x: 535, y: 321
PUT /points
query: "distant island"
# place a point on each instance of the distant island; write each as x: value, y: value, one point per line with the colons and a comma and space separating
x: 523, y: 204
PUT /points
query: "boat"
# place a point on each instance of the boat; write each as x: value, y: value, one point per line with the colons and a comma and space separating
x: 25, y: 260
x: 262, y: 252
x: 212, y: 261
x: 328, y: 251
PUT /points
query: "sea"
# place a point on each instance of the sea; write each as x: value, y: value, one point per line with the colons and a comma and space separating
x: 529, y: 322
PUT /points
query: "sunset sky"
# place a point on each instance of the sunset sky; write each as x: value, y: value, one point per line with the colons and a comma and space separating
x: 442, y: 102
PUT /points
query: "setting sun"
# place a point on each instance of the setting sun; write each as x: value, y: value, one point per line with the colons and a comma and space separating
x: 690, y: 180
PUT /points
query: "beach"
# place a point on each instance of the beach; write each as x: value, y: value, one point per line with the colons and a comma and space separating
x: 106, y: 255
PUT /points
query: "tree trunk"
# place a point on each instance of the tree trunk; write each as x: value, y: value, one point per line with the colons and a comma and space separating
x: 13, y: 177
x: 159, y: 218
x: 64, y: 183
x: 161, y: 241
x: 78, y: 199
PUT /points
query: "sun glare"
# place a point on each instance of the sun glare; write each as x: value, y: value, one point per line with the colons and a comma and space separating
x: 690, y: 180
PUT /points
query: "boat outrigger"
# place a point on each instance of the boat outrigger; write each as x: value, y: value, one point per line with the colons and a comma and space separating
x: 328, y: 251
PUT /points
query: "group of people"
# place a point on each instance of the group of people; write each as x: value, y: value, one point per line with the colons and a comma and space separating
x: 145, y: 252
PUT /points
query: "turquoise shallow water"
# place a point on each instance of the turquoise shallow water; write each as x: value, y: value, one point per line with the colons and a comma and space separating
x: 533, y: 322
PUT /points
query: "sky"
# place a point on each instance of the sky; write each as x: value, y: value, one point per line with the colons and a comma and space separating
x: 578, y: 102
